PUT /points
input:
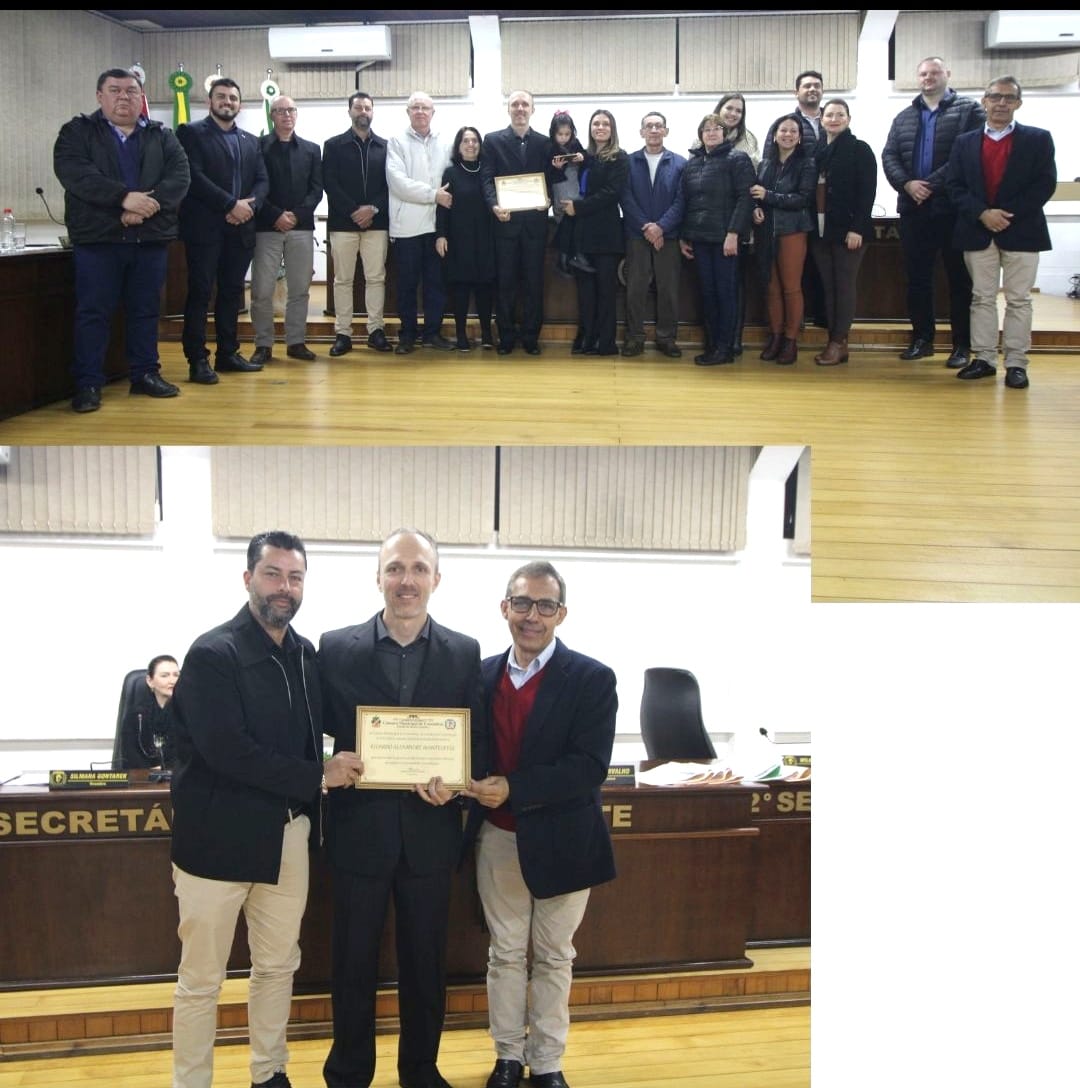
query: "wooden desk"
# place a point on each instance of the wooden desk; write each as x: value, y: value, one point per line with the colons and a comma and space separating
x: 87, y: 892
x: 37, y: 294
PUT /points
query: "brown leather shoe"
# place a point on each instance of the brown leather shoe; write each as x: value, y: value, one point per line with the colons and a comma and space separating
x: 835, y: 352
x: 772, y: 347
x: 788, y: 351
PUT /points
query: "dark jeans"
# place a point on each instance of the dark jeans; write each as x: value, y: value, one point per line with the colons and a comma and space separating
x: 419, y: 266
x: 222, y: 261
x: 422, y: 911
x: 717, y: 276
x: 923, y: 236
x: 459, y: 295
x: 106, y: 275
x: 519, y: 259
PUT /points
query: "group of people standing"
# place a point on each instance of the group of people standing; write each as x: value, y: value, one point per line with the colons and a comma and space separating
x: 251, y: 793
x: 132, y: 186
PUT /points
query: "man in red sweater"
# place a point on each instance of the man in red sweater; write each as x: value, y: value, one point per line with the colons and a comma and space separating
x: 542, y: 840
x: 999, y: 178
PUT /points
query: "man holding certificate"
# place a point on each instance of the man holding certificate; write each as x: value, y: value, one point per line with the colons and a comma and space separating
x: 521, y: 231
x: 388, y: 685
x: 542, y: 840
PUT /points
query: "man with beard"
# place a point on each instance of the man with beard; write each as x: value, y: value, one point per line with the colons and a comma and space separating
x: 217, y: 222
x: 358, y: 221
x: 402, y: 843
x: 245, y: 794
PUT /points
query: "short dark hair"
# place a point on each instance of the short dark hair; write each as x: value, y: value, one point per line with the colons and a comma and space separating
x: 117, y: 73
x: 223, y: 81
x: 653, y: 113
x: 1006, y: 79
x: 810, y: 72
x: 360, y: 94
x: 539, y: 568
x: 455, y: 154
x: 273, y: 538
x: 155, y: 661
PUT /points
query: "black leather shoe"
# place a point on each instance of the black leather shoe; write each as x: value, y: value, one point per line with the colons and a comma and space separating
x: 531, y: 349
x: 376, y: 341
x: 434, y: 1079
x: 87, y: 399
x: 506, y: 1074
x: 632, y: 348
x: 669, y: 348
x: 977, y: 368
x: 405, y: 346
x: 278, y: 1080
x: 578, y: 346
x: 548, y: 1080
x: 1016, y: 377
x: 235, y: 363
x: 917, y: 349
x: 714, y: 358
x: 440, y: 342
x: 298, y: 351
x: 343, y: 344
x: 960, y: 357
x: 262, y: 355
x: 505, y: 347
x: 200, y: 373
x: 580, y: 263
x: 154, y: 385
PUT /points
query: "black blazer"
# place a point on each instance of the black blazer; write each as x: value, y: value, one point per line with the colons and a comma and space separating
x: 1029, y: 182
x: 562, y: 837
x: 306, y: 163
x: 348, y: 185
x: 233, y: 783
x: 368, y: 831
x: 600, y: 228
x: 202, y: 214
x: 500, y: 156
x: 850, y: 187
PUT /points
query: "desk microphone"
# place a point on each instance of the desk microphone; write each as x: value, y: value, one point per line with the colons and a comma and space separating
x: 41, y: 193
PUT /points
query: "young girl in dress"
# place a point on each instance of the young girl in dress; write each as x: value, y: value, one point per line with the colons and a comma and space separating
x: 563, y: 177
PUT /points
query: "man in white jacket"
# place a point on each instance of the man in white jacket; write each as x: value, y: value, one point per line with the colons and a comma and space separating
x: 415, y: 162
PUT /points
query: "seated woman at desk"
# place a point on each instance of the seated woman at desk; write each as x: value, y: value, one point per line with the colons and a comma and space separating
x: 147, y: 738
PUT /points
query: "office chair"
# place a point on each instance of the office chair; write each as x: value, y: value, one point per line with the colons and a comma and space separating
x: 671, y: 724
x: 133, y: 693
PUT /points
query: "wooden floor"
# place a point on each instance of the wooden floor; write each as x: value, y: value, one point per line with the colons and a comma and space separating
x: 768, y: 1048
x: 925, y: 488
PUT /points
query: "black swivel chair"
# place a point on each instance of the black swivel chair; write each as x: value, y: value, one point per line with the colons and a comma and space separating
x: 671, y: 723
x: 133, y: 693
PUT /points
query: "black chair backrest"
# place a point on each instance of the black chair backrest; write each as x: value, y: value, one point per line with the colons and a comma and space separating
x: 671, y: 722
x: 133, y: 693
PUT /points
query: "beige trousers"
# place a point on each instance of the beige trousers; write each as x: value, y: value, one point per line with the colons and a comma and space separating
x: 372, y: 246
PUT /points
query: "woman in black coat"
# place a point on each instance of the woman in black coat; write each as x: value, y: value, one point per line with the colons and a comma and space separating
x: 599, y: 235
x: 716, y: 187
x: 465, y: 239
x: 782, y: 221
x: 847, y: 184
x: 147, y: 732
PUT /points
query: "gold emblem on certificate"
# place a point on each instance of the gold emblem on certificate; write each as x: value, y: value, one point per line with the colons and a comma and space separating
x: 522, y: 193
x: 402, y: 746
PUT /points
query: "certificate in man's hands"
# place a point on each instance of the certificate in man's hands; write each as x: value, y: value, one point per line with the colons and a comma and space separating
x: 522, y: 192
x: 402, y: 746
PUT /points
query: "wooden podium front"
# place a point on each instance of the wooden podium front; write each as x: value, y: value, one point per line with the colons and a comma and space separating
x: 88, y: 898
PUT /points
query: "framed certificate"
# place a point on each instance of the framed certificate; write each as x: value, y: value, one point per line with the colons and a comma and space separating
x: 522, y: 193
x: 402, y: 745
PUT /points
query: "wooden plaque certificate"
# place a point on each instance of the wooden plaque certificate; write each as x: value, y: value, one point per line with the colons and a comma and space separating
x: 402, y: 746
x: 522, y: 193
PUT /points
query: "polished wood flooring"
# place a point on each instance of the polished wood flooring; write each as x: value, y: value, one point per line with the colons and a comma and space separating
x: 767, y: 1048
x: 925, y: 488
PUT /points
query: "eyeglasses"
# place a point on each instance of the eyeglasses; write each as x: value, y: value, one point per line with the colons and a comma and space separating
x: 421, y: 109
x: 524, y: 605
x: 284, y: 109
x: 1008, y: 99
x: 652, y: 126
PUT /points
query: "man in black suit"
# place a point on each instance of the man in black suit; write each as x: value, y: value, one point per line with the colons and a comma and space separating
x: 404, y: 843
x: 999, y: 178
x: 285, y: 232
x: 217, y: 222
x: 245, y: 794
x: 520, y: 237
x: 544, y: 842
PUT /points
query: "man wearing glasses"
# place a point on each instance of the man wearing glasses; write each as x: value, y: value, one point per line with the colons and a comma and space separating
x: 285, y: 233
x: 999, y: 178
x: 542, y: 840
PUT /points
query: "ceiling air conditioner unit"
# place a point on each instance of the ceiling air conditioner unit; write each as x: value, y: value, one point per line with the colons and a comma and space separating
x: 1033, y: 30
x: 338, y: 44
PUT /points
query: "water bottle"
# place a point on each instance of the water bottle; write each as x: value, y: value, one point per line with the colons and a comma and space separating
x: 7, y: 232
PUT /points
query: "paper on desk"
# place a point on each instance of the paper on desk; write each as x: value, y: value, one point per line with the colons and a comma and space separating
x: 688, y: 774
